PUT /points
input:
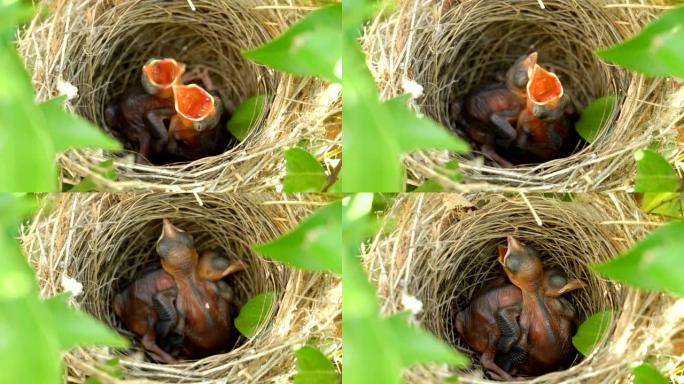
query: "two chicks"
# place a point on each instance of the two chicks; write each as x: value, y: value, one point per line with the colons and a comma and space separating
x: 183, y: 309
x: 521, y: 326
x: 167, y: 119
x: 527, y: 117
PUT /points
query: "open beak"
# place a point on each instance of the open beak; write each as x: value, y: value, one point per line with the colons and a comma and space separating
x: 544, y: 88
x: 193, y: 103
x: 160, y: 75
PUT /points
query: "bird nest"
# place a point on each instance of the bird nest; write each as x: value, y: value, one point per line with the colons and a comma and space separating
x: 103, y: 240
x: 100, y: 47
x: 444, y: 247
x: 450, y: 47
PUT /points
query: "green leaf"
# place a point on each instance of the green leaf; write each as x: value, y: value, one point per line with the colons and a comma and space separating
x: 254, y: 313
x: 592, y: 331
x: 376, y: 134
x: 658, y: 50
x: 74, y: 328
x: 668, y: 204
x: 376, y: 348
x: 304, y: 172
x: 450, y: 170
x: 314, y: 245
x: 414, y: 345
x: 653, y: 264
x: 654, y: 173
x: 24, y: 142
x: 246, y: 116
x: 313, y: 367
x: 71, y: 131
x: 648, y: 374
x: 85, y: 185
x: 595, y: 117
x: 311, y: 47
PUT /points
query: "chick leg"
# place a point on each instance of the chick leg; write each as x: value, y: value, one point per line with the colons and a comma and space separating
x: 487, y: 360
x: 154, y: 121
x: 503, y: 130
x: 508, y: 361
x: 150, y: 345
x: 490, y: 153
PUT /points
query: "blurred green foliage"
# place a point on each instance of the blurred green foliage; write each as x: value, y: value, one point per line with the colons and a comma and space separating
x: 377, y: 133
x: 245, y: 116
x: 311, y: 47
x: 304, y: 172
x: 595, y: 117
x: 376, y: 348
x: 254, y: 313
x: 658, y: 50
x: 592, y: 331
x: 648, y: 374
x: 653, y: 264
x: 313, y: 367
x: 314, y: 245
x: 450, y: 170
x: 31, y: 134
x: 35, y: 331
x: 660, y: 183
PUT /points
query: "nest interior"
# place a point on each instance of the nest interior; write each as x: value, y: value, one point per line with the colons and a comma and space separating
x: 100, y: 47
x: 110, y: 61
x: 452, y: 47
x: 113, y: 238
x: 444, y: 249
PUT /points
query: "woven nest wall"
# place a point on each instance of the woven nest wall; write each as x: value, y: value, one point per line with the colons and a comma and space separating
x: 443, y: 249
x: 450, y: 47
x: 102, y: 240
x: 100, y: 47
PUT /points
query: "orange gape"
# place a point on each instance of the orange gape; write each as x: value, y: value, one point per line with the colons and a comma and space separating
x: 544, y: 87
x: 159, y: 76
x: 193, y: 102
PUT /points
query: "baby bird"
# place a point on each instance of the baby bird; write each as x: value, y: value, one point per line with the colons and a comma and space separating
x: 195, y: 131
x: 544, y: 129
x: 204, y: 317
x: 147, y: 307
x: 140, y: 113
x: 160, y: 75
x: 490, y: 326
x: 488, y: 114
x: 545, y: 319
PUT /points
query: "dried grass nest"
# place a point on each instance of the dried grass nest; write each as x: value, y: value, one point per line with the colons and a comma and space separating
x: 100, y: 46
x: 450, y: 47
x: 102, y: 240
x: 443, y: 249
